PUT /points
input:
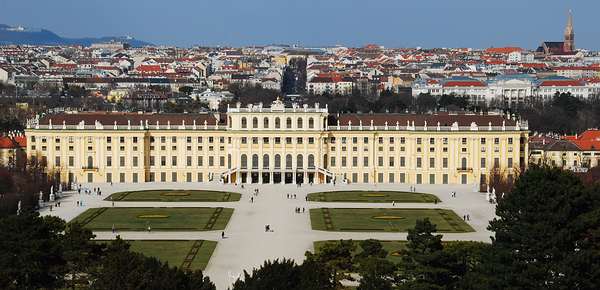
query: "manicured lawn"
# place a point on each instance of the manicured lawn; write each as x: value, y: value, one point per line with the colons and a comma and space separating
x: 175, y: 195
x: 384, y: 219
x: 174, y: 252
x: 392, y: 247
x: 372, y: 196
x: 158, y: 218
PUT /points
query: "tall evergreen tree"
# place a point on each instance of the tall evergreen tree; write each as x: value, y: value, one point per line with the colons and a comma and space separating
x: 547, y: 234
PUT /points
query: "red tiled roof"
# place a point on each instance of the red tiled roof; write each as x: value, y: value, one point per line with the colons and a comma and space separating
x: 464, y: 84
x: 12, y: 142
x: 561, y: 83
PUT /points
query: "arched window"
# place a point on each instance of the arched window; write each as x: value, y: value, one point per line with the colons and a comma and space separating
x: 464, y: 163
x: 244, y: 123
x: 277, y: 123
x: 277, y: 161
x: 288, y: 123
x: 288, y: 161
x: 266, y: 123
x: 255, y: 161
x: 299, y: 123
x: 254, y: 122
x: 90, y: 162
x: 299, y: 161
x: 311, y: 161
x: 311, y: 123
x: 266, y: 161
x: 244, y: 161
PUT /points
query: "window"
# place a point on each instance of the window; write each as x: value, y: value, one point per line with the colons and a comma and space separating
x: 121, y: 177
x: 311, y: 161
x: 151, y: 160
x: 510, y: 163
x: 464, y: 141
x: 463, y: 163
x: 380, y: 161
x: 71, y: 161
x: 174, y: 177
x: 496, y: 141
x: 211, y: 161
x: 90, y: 162
x: 391, y: 161
x: 57, y: 161
x: 419, y: 178
x: 332, y: 161
x: 445, y: 178
x: 299, y: 161
x: 108, y: 161
x: 431, y: 162
x: 311, y: 123
x: 244, y: 123
x: 365, y: 177
x: 344, y: 161
x: 431, y: 141
x: 391, y: 177
x: 200, y: 161
x: 163, y: 161
x: 265, y: 161
x: 365, y: 161
x: 277, y: 123
x: 188, y: 161
x: 482, y: 162
x: 445, y: 162
x: 483, y: 141
x: 288, y: 123
x: 254, y: 122
x: 244, y: 161
x: 418, y: 162
x: 277, y: 161
x: 299, y: 123
x: 266, y: 123
x: 354, y: 161
x: 431, y: 178
x: 174, y: 160
x: 419, y: 141
x: 135, y: 161
x: 402, y: 161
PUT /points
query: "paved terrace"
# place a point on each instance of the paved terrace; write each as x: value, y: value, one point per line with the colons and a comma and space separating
x: 247, y: 244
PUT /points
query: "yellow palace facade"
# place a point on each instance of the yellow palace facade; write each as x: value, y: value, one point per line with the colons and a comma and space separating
x: 278, y: 144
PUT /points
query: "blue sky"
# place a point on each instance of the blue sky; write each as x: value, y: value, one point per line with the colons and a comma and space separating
x: 392, y: 23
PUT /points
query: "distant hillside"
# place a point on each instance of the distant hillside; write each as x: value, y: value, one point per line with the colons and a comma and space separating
x: 21, y: 35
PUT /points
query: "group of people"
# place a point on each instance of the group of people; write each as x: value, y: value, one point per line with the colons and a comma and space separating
x: 268, y: 228
x: 299, y: 210
x: 466, y: 217
x: 413, y: 188
x: 87, y: 191
x: 453, y: 194
x: 291, y: 196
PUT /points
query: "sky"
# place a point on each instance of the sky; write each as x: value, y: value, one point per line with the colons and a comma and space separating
x: 391, y: 23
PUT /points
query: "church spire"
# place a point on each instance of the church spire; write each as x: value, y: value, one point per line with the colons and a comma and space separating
x: 569, y: 44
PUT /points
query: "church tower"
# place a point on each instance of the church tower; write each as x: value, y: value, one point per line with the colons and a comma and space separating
x: 569, y: 44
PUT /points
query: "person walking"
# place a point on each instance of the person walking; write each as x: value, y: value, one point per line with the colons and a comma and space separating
x: 222, y: 235
x: 468, y: 217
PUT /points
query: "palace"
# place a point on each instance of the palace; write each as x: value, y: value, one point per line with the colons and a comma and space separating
x: 278, y: 144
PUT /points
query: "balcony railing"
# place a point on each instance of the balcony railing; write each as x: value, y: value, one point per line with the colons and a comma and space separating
x: 464, y: 169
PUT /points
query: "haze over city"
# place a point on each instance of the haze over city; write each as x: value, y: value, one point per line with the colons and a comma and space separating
x: 429, y: 23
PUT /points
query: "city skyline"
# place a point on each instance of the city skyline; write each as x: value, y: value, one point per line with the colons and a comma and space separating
x: 235, y: 23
